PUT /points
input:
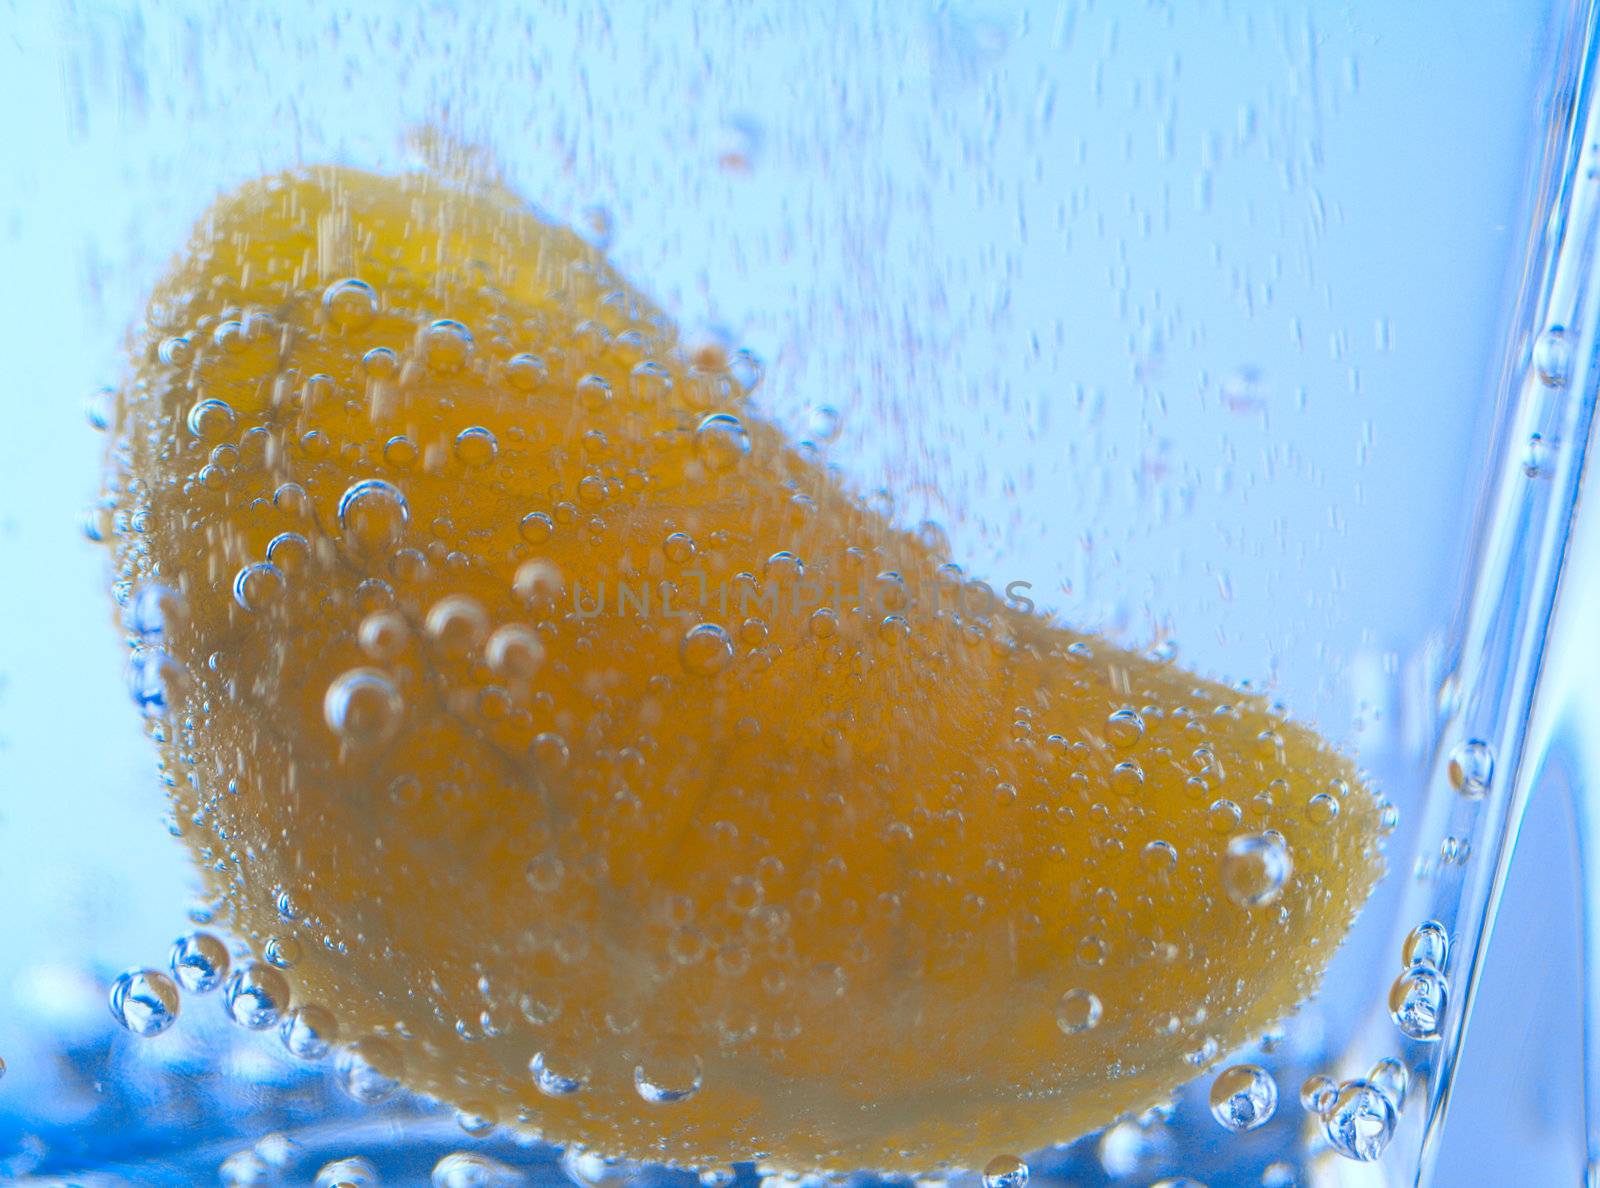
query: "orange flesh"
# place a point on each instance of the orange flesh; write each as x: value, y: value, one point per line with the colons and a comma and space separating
x: 845, y: 875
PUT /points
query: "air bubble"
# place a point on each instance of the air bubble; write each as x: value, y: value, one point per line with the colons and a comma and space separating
x: 456, y: 624
x: 1536, y: 457
x: 290, y: 552
x: 1428, y: 944
x: 514, y: 651
x: 783, y: 566
x: 155, y: 682
x: 1255, y: 867
x: 372, y: 514
x: 1361, y: 1121
x: 1552, y: 358
x: 1124, y: 728
x: 369, y: 1070
x: 526, y: 373
x: 351, y: 304
x: 593, y: 392
x: 1392, y: 1079
x: 199, y: 962
x: 823, y: 424
x: 1243, y: 1098
x: 243, y: 1169
x: 1224, y: 816
x: 400, y: 452
x: 650, y: 382
x: 470, y: 1169
x: 1005, y: 1171
x: 1417, y: 1002
x: 1077, y: 1011
x: 544, y: 873
x: 383, y: 634
x: 308, y: 1032
x: 476, y: 447
x: 255, y: 995
x: 97, y: 524
x: 1160, y: 858
x: 662, y: 1081
x: 706, y: 650
x: 476, y: 1118
x: 155, y: 610
x: 354, y: 1172
x: 1204, y: 1054
x: 549, y: 1081
x: 536, y: 528
x: 210, y: 420
x: 175, y: 352
x: 144, y: 1001
x: 1127, y: 778
x: 537, y: 583
x: 380, y: 363
x: 679, y: 548
x: 1322, y: 809
x: 1388, y: 817
x: 721, y: 442
x: 258, y: 586
x: 362, y: 706
x: 746, y: 369
x: 1318, y: 1093
x: 282, y: 952
x: 1472, y: 768
x: 444, y: 345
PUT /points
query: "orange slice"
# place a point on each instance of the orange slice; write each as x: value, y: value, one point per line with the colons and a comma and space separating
x: 608, y: 769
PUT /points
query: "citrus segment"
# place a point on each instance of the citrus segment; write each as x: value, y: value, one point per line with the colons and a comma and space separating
x: 609, y: 768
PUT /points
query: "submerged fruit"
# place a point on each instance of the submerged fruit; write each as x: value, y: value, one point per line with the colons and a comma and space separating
x: 607, y: 768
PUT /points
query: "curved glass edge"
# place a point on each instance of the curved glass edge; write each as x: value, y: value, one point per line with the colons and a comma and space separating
x: 1546, y: 396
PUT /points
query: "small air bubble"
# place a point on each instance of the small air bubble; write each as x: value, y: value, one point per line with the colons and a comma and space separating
x: 1124, y: 728
x: 476, y: 447
x: 144, y: 1001
x: 550, y: 1082
x: 372, y: 514
x: 1317, y: 1094
x: 1255, y: 867
x: 721, y: 442
x: 1360, y: 1122
x: 1417, y: 1002
x: 1127, y: 778
x: 1428, y: 944
x: 1552, y: 358
x: 1077, y: 1011
x: 369, y: 1070
x: 362, y: 706
x: 308, y: 1032
x: 663, y: 1081
x: 1472, y: 768
x: 1005, y: 1171
x: 444, y: 345
x: 526, y: 373
x: 255, y: 995
x: 1243, y: 1098
x: 199, y: 962
x: 706, y: 649
x: 210, y: 420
